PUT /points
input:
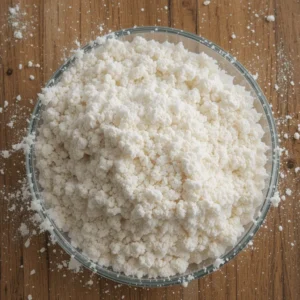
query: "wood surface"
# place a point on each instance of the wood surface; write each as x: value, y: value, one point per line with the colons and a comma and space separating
x: 270, y: 269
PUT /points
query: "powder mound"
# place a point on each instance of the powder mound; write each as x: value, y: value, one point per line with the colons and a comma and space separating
x: 150, y: 157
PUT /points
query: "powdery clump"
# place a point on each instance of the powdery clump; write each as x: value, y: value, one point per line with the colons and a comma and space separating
x: 275, y: 200
x: 15, y: 19
x: 74, y: 265
x: 24, y: 229
x: 150, y: 157
x: 270, y: 18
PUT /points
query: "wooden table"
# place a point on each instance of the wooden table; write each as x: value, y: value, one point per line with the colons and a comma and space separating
x: 270, y: 269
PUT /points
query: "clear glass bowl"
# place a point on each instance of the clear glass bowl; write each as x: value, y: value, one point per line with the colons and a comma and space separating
x: 242, y: 77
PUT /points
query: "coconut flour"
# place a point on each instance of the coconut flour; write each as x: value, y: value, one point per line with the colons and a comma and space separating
x: 150, y: 157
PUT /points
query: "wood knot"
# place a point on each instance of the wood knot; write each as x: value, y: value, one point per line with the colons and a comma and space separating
x: 290, y: 163
x: 9, y: 71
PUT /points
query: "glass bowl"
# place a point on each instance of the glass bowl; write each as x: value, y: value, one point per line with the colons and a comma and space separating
x: 242, y: 77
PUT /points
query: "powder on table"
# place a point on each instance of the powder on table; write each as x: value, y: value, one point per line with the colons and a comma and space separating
x: 150, y: 157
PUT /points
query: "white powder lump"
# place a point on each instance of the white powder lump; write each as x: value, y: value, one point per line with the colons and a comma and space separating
x: 15, y: 20
x: 270, y: 18
x: 275, y: 200
x: 150, y: 157
x: 23, y: 229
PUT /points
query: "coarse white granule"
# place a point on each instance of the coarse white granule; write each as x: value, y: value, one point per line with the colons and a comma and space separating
x: 280, y: 228
x: 27, y: 243
x: 29, y: 297
x: 286, y: 136
x: 5, y: 104
x: 275, y: 200
x: 218, y: 262
x: 31, y: 77
x: 150, y: 157
x: 270, y: 18
x: 30, y: 64
x: 288, y: 192
x: 233, y: 36
x: 18, y: 98
x: 207, y: 2
x: 296, y: 136
x: 32, y: 272
x: 20, y: 66
x: 1, y: 110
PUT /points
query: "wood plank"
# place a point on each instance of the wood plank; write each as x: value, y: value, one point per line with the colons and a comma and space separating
x: 267, y: 270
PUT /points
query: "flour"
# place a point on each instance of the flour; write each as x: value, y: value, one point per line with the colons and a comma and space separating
x: 150, y: 157
x: 24, y: 229
x: 270, y: 18
x: 16, y: 21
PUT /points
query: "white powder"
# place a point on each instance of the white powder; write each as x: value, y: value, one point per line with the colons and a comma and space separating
x: 15, y: 20
x: 18, y: 34
x: 275, y: 200
x: 18, y: 98
x: 5, y: 153
x: 29, y: 297
x: 90, y: 282
x: 74, y: 265
x: 288, y: 192
x: 218, y: 262
x: 280, y: 228
x: 233, y: 36
x: 270, y: 18
x: 296, y: 136
x: 23, y: 229
x: 206, y: 2
x: 31, y: 77
x: 32, y: 272
x: 27, y: 243
x: 20, y: 66
x: 150, y: 157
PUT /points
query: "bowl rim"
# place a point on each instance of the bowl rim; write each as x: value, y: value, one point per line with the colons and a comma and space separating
x: 176, y: 279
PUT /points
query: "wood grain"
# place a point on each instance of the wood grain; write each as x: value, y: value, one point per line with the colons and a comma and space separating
x: 270, y: 269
